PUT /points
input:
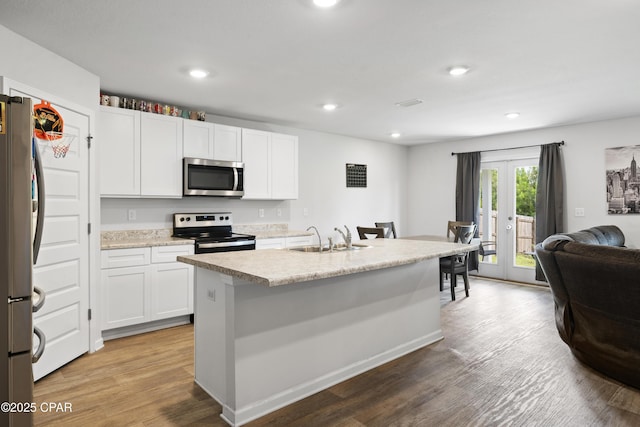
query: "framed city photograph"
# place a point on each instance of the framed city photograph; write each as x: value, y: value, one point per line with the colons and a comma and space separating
x: 623, y: 180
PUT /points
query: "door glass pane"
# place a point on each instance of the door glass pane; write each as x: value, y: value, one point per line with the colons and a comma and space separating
x: 488, y: 214
x: 525, y: 193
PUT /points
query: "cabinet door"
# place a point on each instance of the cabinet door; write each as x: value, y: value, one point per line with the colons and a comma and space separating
x: 161, y: 153
x: 198, y: 139
x: 273, y: 243
x: 125, y: 296
x: 284, y: 166
x: 300, y: 241
x: 119, y: 144
x: 227, y: 143
x: 171, y: 290
x: 256, y: 155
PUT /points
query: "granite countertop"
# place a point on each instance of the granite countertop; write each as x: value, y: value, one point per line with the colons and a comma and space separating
x: 123, y: 239
x: 275, y: 267
x: 269, y: 231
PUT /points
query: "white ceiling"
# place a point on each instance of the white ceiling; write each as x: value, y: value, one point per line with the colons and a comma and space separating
x: 555, y: 62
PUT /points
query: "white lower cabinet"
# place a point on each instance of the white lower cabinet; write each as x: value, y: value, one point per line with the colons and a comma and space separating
x: 171, y: 290
x: 124, y: 296
x: 284, y: 242
x: 145, y: 284
x: 272, y: 243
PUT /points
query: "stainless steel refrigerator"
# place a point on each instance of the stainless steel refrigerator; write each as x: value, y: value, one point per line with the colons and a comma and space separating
x: 18, y: 248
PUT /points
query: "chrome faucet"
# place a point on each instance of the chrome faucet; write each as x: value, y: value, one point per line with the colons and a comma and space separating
x: 319, y: 238
x: 347, y: 238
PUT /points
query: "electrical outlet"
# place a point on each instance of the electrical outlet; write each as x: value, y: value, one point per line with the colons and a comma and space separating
x: 261, y: 213
x: 211, y: 294
x: 131, y: 214
x: 279, y: 212
x: 579, y: 212
x: 305, y: 212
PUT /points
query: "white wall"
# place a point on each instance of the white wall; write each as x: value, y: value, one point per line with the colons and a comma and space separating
x: 432, y: 172
x: 32, y: 65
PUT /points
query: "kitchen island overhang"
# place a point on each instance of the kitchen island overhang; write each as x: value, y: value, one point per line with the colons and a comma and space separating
x: 275, y: 326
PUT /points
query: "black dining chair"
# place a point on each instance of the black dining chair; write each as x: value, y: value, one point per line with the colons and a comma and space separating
x: 457, y: 265
x: 453, y: 225
x: 487, y: 248
x: 374, y: 232
x: 389, y: 229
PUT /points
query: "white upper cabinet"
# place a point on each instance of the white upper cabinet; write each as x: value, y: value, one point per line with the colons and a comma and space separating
x: 270, y: 165
x: 198, y: 139
x: 204, y: 140
x: 161, y: 156
x: 119, y: 145
x: 256, y: 155
x: 227, y: 144
x: 140, y: 154
x: 284, y: 166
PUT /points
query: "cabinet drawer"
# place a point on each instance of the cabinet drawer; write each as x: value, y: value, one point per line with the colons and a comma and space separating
x: 300, y: 241
x: 131, y: 257
x: 273, y: 243
x: 169, y: 253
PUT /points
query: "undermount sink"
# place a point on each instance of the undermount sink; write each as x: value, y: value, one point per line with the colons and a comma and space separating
x: 354, y: 247
x: 325, y: 249
x: 307, y: 249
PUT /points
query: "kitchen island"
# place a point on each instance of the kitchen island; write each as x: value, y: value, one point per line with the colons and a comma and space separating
x: 274, y: 326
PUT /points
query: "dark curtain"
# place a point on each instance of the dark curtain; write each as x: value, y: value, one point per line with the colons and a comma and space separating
x: 549, y: 197
x: 468, y: 194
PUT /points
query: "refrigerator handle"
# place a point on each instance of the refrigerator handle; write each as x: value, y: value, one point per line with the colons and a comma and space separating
x: 40, y: 303
x: 40, y: 183
x: 38, y: 353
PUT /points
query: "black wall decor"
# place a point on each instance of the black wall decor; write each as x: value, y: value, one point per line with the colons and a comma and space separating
x: 356, y: 175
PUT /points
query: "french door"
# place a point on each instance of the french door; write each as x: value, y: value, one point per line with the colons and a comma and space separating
x: 507, y: 219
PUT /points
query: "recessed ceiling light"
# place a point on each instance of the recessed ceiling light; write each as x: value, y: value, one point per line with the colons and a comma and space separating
x: 409, y: 102
x: 395, y: 135
x: 198, y: 74
x: 325, y: 3
x: 329, y: 107
x: 458, y: 70
x: 513, y: 115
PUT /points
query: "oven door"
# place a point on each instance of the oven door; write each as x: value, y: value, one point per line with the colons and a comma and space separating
x: 204, y: 247
x: 203, y: 177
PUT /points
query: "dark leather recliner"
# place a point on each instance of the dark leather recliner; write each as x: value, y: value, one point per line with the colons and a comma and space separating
x: 595, y: 282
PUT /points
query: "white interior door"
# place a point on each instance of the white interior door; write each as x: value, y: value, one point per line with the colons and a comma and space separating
x: 508, y: 191
x: 62, y: 269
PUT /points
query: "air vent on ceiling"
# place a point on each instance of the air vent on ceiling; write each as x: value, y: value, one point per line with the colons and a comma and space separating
x: 409, y: 102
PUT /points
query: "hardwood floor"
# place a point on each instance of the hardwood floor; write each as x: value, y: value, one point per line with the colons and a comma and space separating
x: 501, y: 363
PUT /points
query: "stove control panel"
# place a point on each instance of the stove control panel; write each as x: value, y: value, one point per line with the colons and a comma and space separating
x: 186, y: 220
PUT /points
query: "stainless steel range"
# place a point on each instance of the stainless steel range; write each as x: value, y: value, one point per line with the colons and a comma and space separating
x: 212, y: 232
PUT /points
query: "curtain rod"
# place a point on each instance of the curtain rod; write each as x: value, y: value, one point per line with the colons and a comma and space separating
x: 512, y: 148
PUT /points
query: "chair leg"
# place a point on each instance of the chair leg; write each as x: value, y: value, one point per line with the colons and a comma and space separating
x: 452, y: 281
x: 465, y: 276
x: 441, y: 274
x: 453, y: 287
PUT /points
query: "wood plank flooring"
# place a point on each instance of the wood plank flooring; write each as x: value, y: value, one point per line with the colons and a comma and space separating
x: 501, y: 363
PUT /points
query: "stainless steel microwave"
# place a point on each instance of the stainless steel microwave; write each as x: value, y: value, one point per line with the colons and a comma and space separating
x: 204, y: 177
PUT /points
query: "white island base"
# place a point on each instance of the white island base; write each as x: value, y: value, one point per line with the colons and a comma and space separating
x: 259, y: 348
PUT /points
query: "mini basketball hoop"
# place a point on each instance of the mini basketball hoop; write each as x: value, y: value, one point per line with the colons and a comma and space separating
x: 59, y: 142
